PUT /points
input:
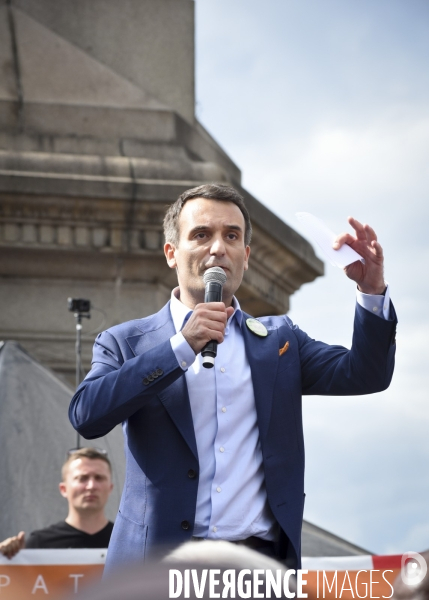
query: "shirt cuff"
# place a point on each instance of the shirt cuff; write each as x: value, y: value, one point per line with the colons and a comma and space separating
x: 184, y: 354
x: 379, y: 305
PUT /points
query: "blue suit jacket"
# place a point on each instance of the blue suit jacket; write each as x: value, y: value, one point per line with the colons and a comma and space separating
x: 159, y: 497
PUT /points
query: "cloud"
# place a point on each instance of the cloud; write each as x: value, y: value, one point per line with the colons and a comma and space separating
x: 366, y: 475
x: 351, y: 167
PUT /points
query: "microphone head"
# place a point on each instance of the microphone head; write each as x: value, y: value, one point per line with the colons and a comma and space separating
x: 214, y: 274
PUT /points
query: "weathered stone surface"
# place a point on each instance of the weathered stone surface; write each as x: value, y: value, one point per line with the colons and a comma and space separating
x: 148, y: 42
x: 54, y: 70
x: 97, y: 137
x: 8, y: 90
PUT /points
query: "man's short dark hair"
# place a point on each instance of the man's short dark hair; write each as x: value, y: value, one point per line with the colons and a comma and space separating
x: 91, y: 453
x: 209, y: 191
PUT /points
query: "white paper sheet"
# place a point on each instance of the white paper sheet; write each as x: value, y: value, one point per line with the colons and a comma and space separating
x: 324, y: 238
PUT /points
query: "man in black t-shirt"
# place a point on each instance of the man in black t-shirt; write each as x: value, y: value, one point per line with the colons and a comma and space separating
x: 86, y: 483
x: 63, y: 535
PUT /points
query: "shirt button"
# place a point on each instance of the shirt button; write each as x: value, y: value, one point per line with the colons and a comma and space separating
x: 222, y: 449
x: 222, y: 369
x: 375, y: 309
x: 184, y: 363
x: 214, y: 529
x: 218, y: 489
x: 385, y: 308
x: 223, y: 409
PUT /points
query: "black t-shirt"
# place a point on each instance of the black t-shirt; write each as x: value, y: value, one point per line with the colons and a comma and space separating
x: 63, y: 535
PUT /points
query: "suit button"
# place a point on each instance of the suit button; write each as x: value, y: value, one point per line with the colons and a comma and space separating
x: 192, y: 474
x: 159, y: 372
x: 150, y: 377
x: 146, y: 381
x: 184, y: 525
x: 154, y: 374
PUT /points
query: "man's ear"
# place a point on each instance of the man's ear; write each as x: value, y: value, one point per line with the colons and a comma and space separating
x: 63, y: 490
x: 170, y: 254
x: 246, y: 260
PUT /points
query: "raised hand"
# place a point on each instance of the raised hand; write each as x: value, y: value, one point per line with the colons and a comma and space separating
x: 369, y: 276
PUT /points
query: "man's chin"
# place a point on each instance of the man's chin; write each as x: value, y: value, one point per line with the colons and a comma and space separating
x: 90, y: 504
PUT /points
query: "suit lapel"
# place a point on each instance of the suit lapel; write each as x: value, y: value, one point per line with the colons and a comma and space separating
x: 263, y: 355
x: 175, y: 397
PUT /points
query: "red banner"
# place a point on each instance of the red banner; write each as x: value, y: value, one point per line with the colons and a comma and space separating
x: 49, y: 573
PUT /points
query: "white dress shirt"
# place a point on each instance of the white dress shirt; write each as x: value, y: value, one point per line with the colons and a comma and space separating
x: 232, y: 500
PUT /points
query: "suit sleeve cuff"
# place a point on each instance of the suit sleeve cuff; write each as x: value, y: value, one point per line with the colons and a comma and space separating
x: 379, y: 305
x: 182, y: 350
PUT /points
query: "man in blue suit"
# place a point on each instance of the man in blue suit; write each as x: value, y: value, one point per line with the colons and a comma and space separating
x: 218, y: 453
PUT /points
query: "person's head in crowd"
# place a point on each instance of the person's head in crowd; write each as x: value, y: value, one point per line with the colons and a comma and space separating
x: 227, y: 554
x: 420, y: 591
x: 86, y: 480
x: 153, y: 580
x: 86, y: 483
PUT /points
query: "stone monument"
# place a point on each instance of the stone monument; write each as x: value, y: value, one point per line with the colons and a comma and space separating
x: 97, y: 136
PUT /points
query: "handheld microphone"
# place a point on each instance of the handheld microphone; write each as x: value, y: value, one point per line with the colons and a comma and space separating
x: 214, y: 278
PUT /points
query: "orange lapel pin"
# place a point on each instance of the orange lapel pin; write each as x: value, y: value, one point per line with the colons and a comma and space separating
x: 284, y: 349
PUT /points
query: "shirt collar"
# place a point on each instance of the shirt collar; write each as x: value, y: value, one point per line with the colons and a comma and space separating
x: 181, y: 313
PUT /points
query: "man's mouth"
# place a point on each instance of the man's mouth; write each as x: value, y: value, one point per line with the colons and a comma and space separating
x: 211, y: 266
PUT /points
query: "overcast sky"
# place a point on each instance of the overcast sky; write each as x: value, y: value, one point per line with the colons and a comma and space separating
x: 324, y: 105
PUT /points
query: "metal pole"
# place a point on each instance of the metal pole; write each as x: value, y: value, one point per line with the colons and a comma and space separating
x: 80, y: 307
x: 78, y: 359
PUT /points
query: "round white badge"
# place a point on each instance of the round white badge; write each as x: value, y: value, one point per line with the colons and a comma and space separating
x: 257, y: 327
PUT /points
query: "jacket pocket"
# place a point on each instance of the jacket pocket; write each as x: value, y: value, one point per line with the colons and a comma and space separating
x: 128, y: 541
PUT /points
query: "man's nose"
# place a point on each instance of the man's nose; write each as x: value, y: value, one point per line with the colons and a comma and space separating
x: 217, y: 247
x: 91, y: 483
